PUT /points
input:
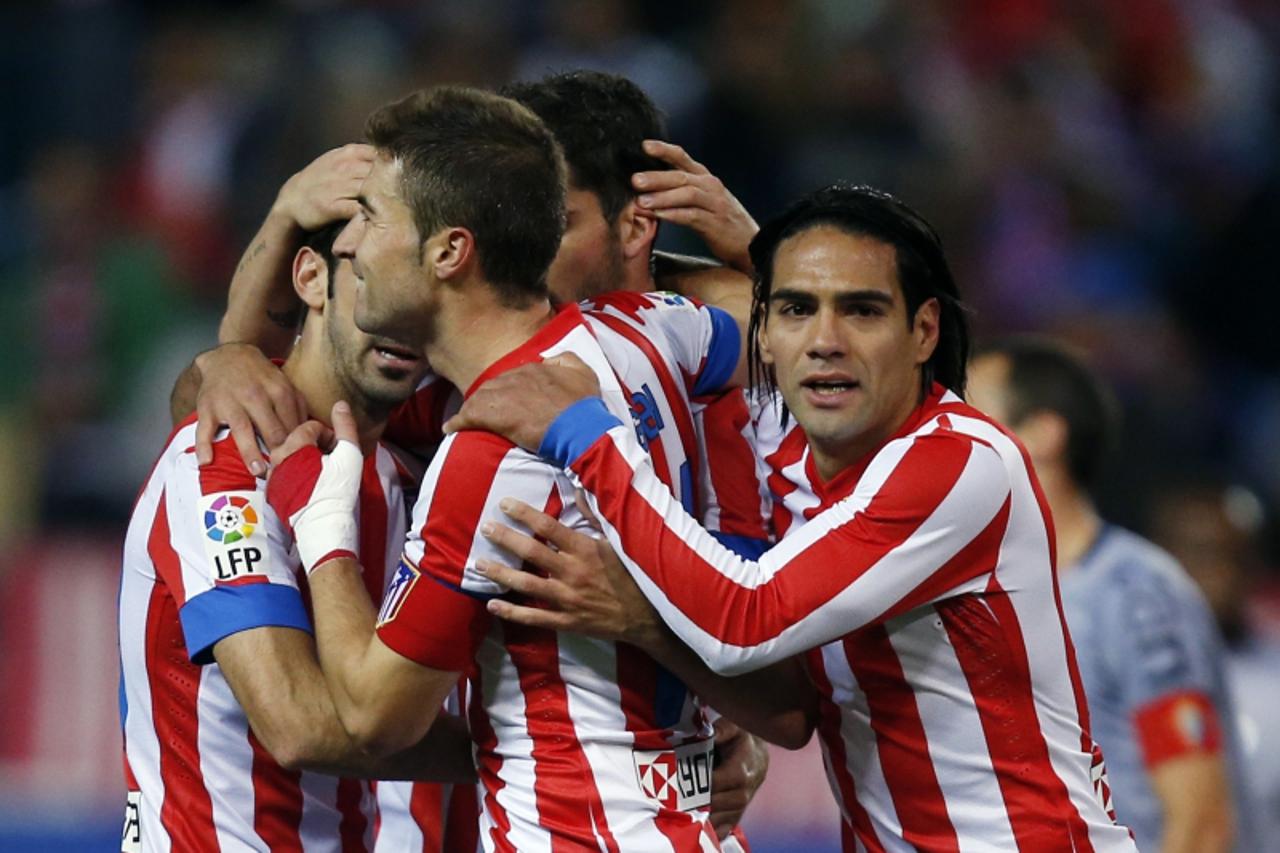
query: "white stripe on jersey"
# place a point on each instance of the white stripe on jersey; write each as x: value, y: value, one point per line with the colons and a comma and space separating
x: 223, y: 775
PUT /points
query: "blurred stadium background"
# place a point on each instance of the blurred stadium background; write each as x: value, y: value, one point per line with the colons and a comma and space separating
x: 1105, y: 172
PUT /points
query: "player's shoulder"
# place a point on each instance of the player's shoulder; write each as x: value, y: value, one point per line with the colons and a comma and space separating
x: 1124, y: 561
x: 639, y: 306
x: 475, y: 458
x: 225, y: 472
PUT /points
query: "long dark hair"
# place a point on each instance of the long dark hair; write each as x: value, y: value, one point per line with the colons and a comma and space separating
x: 922, y: 270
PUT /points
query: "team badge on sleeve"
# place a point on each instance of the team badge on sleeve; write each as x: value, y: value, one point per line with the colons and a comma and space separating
x: 234, y: 539
x: 398, y: 591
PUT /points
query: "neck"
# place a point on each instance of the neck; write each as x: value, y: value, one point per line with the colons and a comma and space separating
x: 474, y: 330
x: 637, y: 275
x: 310, y: 370
x: 1075, y: 519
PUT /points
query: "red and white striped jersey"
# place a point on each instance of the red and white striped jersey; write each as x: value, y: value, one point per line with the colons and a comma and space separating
x: 426, y: 817
x: 735, y: 503
x: 924, y: 594
x: 206, y: 557
x: 578, y: 741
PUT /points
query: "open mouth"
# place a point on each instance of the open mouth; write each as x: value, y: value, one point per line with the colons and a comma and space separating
x: 396, y: 354
x: 829, y: 387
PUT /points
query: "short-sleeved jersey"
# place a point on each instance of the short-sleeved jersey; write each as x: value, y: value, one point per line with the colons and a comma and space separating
x: 1153, y: 668
x: 578, y: 741
x: 205, y: 557
x: 924, y: 594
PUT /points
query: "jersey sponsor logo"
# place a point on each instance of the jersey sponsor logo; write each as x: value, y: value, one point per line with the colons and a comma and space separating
x: 678, y: 779
x: 131, y: 835
x: 234, y: 539
x: 645, y: 414
x: 397, y: 591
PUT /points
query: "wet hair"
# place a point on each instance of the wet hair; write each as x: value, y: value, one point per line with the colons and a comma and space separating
x: 1047, y: 376
x: 923, y: 272
x: 479, y: 161
x: 600, y: 120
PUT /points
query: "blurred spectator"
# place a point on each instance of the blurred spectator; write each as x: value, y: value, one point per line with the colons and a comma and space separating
x: 1214, y: 529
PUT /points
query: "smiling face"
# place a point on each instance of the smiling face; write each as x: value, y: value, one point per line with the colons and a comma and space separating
x: 394, y: 287
x: 846, y: 359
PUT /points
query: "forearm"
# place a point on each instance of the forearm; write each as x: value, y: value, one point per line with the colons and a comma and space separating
x: 444, y: 755
x: 276, y: 677
x: 1194, y: 793
x: 345, y: 621
x: 777, y: 703
x: 262, y: 308
x: 182, y: 400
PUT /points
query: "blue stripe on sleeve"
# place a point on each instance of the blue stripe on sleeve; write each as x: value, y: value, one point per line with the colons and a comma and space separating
x: 575, y: 430
x: 722, y: 355
x: 746, y: 547
x: 226, y: 610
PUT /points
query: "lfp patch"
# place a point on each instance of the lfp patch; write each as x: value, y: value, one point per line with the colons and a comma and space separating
x: 230, y: 519
x: 234, y: 539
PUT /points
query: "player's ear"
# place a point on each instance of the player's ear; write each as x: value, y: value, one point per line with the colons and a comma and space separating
x: 762, y: 339
x: 449, y: 252
x: 924, y: 329
x: 637, y: 229
x: 311, y: 277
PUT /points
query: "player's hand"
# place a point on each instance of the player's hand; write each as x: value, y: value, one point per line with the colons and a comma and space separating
x: 586, y: 590
x: 741, y: 763
x: 521, y: 404
x: 688, y: 194
x: 241, y: 388
x: 315, y: 492
x: 326, y: 189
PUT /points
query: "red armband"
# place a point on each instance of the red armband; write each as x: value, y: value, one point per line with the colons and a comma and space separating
x: 431, y: 623
x: 1177, y: 724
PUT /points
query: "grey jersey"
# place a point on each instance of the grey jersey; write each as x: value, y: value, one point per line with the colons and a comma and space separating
x: 1149, y: 652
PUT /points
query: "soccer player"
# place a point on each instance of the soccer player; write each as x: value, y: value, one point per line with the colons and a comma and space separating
x: 612, y: 136
x: 922, y: 588
x: 228, y: 722
x: 578, y: 742
x: 1150, y: 655
x: 602, y: 122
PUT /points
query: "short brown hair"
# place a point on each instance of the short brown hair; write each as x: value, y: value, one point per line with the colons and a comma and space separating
x: 479, y: 161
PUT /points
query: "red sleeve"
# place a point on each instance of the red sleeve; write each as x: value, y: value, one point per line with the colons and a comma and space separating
x: 1177, y: 724
x: 431, y: 623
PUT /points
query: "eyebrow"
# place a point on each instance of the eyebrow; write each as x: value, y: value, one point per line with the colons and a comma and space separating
x: 864, y: 295
x: 363, y: 201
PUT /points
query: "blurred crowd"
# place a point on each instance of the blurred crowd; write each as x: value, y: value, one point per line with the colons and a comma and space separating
x: 1105, y: 172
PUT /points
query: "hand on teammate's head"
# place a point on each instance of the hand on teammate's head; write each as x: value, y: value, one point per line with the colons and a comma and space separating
x: 689, y: 195
x: 325, y: 190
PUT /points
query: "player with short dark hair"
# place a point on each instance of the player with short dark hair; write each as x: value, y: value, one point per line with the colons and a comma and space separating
x: 575, y: 740
x: 1152, y: 663
x: 229, y: 726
